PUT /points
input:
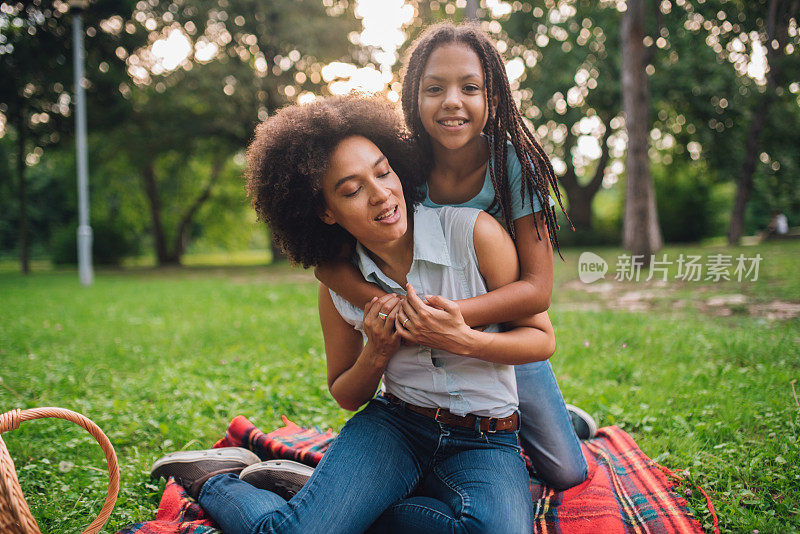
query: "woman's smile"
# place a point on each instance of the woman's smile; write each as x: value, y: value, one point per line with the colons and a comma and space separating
x: 389, y: 216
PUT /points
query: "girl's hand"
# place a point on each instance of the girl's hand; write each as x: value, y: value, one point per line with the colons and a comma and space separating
x: 437, y: 324
x: 383, y: 340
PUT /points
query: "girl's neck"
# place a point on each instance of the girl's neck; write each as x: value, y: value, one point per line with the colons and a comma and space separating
x: 394, y: 258
x: 455, y: 164
x: 458, y: 175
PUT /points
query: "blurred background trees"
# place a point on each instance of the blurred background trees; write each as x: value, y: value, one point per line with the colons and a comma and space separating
x: 175, y: 89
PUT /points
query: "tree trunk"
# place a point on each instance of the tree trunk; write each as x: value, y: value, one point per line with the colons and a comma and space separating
x: 580, y: 207
x: 181, y: 235
x: 744, y: 185
x: 778, y: 17
x: 22, y: 194
x: 641, y: 234
x: 163, y: 257
x: 580, y: 197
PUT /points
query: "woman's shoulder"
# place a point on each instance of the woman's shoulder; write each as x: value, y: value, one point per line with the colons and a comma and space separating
x: 456, y: 219
x: 457, y: 226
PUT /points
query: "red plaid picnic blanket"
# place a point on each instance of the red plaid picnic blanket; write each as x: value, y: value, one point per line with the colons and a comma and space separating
x: 625, y: 492
x: 178, y: 513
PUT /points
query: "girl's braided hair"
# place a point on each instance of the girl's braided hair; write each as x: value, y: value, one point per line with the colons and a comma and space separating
x: 504, y: 123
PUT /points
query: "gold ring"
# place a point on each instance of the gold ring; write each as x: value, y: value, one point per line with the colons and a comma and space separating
x: 404, y: 322
x: 382, y: 315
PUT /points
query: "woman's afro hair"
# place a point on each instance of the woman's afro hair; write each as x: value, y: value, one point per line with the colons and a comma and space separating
x: 290, y: 154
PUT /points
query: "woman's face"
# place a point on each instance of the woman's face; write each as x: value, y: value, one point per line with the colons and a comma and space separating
x: 363, y: 194
x: 452, y: 96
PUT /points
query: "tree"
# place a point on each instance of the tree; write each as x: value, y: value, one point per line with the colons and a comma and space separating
x: 245, y: 60
x: 572, y: 74
x: 471, y: 11
x: 178, y: 127
x: 715, y: 122
x: 569, y: 89
x: 775, y: 37
x: 641, y: 234
x: 35, y: 84
x: 32, y: 62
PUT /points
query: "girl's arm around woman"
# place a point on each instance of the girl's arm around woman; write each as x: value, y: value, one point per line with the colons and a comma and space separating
x: 438, y: 323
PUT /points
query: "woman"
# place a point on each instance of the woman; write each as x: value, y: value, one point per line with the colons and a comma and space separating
x: 437, y: 449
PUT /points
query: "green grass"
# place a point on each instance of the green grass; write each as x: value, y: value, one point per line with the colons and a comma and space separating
x: 162, y: 359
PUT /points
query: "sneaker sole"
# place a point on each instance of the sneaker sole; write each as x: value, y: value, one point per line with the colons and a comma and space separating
x: 588, y: 419
x: 191, y: 465
x: 283, y: 477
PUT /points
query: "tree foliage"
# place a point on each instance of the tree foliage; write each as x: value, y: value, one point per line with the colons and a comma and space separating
x: 569, y: 88
x: 703, y: 100
x: 171, y: 127
x: 166, y: 134
x: 36, y: 84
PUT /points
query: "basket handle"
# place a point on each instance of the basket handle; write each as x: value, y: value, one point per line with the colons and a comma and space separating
x: 11, y: 420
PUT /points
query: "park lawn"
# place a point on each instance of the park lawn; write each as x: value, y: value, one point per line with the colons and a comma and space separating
x: 162, y: 359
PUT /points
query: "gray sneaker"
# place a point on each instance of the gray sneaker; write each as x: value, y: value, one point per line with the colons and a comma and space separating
x: 283, y: 477
x: 188, y: 466
x: 583, y: 423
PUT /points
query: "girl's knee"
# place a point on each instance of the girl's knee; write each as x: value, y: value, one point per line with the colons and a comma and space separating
x: 567, y: 476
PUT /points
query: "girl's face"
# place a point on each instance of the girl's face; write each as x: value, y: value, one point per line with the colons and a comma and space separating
x: 363, y: 194
x: 452, y: 96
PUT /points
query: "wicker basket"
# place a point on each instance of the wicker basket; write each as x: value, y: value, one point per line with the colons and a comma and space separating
x: 15, y: 516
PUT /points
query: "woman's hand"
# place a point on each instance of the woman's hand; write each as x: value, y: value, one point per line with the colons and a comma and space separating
x: 383, y: 340
x: 437, y: 324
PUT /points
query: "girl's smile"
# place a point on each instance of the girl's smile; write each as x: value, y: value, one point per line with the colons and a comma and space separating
x: 453, y: 124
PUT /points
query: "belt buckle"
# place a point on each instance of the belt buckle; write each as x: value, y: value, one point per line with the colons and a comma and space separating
x: 436, y: 415
x: 492, y: 425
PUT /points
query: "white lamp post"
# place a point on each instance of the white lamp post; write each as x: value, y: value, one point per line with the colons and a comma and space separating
x: 84, y: 230
x: 471, y: 13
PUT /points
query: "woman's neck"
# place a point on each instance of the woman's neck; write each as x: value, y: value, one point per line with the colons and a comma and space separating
x: 394, y: 258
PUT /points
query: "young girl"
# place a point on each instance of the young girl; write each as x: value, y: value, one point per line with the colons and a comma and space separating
x: 476, y: 152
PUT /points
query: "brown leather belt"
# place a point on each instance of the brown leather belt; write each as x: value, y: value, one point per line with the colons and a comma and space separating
x: 487, y: 424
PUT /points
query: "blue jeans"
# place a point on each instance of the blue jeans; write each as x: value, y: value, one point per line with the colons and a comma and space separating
x: 465, y: 481
x: 546, y: 431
